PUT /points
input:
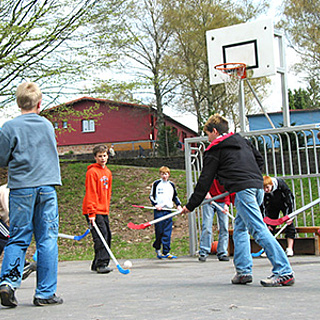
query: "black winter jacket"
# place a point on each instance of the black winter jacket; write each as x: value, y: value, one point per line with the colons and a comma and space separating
x: 236, y: 163
x: 279, y: 199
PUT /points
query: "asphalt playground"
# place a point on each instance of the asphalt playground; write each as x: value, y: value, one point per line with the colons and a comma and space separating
x: 174, y: 289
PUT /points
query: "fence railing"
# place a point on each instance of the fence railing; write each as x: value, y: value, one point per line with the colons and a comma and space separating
x: 290, y: 153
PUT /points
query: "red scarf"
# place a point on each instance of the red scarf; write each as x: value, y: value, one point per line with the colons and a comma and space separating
x: 219, y: 139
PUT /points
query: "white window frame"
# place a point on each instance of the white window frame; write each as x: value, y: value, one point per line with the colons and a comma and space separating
x: 64, y: 124
x: 88, y: 126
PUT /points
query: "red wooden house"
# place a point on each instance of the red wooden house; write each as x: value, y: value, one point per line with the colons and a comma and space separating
x: 125, y: 125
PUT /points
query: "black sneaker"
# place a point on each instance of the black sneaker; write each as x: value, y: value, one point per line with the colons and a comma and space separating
x: 39, y: 302
x: 7, y: 296
x: 277, y: 281
x: 28, y: 269
x: 202, y: 258
x: 242, y: 279
x: 223, y: 258
x: 104, y: 269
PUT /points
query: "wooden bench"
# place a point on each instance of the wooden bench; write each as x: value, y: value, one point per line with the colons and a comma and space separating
x: 302, y: 245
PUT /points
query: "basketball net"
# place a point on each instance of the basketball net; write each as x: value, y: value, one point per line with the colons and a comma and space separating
x: 236, y: 72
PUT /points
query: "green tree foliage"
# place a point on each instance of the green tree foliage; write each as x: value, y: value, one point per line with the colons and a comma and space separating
x: 313, y: 90
x: 167, y: 142
x: 302, y: 25
x: 37, y: 40
x: 301, y: 99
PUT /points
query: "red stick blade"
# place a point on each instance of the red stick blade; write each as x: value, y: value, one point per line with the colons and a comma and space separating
x: 133, y: 226
x: 136, y: 206
x: 275, y: 222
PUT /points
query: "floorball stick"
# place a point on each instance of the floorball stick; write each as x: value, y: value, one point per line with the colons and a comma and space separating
x: 131, y: 225
x: 219, y: 196
x: 121, y: 270
x: 144, y: 207
x: 222, y: 210
x: 67, y: 236
x: 259, y: 253
x: 277, y: 222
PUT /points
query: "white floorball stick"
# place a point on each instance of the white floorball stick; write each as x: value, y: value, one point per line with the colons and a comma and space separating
x: 121, y: 270
x: 131, y: 225
x: 145, y: 207
x: 222, y: 210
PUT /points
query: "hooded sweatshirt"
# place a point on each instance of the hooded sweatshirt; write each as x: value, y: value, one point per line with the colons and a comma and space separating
x: 98, y: 190
x: 217, y: 189
x: 236, y: 164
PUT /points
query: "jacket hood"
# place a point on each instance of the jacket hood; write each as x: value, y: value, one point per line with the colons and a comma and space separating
x: 228, y: 140
x: 94, y: 165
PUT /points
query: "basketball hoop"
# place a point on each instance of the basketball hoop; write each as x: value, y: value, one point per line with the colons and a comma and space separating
x: 235, y: 71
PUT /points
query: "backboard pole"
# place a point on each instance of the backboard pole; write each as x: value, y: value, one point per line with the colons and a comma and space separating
x: 282, y: 70
x: 242, y: 107
x: 260, y: 104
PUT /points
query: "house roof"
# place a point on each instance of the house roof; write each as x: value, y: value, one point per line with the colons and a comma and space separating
x: 112, y: 102
x: 119, y: 103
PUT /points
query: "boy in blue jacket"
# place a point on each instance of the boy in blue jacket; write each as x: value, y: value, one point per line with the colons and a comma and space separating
x: 29, y: 150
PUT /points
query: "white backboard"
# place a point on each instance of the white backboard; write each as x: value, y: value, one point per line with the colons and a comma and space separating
x: 251, y: 43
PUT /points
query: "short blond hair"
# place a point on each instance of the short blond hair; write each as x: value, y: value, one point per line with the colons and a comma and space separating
x: 164, y: 169
x: 218, y: 122
x: 267, y: 180
x: 28, y: 95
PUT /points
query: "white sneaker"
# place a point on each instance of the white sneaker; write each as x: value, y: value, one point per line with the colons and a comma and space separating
x: 289, y: 252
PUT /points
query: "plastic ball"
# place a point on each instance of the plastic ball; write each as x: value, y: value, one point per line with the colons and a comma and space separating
x: 127, y: 264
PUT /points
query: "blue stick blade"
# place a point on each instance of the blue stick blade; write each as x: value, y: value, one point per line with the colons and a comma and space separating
x: 258, y: 254
x: 81, y: 236
x: 123, y: 271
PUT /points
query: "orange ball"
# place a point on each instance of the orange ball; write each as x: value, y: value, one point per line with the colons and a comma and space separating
x: 214, y: 246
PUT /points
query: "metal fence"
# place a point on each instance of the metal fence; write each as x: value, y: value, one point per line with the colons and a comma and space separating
x: 291, y: 153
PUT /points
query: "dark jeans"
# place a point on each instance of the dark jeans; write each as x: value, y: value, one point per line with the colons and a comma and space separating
x: 163, y: 230
x: 101, y: 255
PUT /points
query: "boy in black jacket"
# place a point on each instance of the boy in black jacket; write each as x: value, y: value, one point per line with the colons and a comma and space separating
x: 238, y: 165
x: 278, y: 197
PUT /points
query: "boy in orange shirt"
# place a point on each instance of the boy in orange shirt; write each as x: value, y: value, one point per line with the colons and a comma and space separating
x: 96, y: 205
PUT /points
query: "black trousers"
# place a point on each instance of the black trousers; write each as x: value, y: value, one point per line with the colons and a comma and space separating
x: 3, y: 238
x: 290, y: 231
x: 101, y: 255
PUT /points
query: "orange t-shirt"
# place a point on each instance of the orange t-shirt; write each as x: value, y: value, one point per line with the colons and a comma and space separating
x: 98, y: 190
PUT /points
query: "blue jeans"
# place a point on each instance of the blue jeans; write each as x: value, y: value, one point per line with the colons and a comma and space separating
x: 208, y: 211
x: 33, y: 211
x: 249, y: 218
